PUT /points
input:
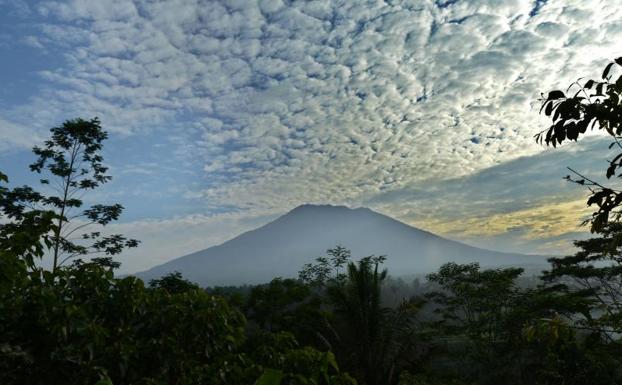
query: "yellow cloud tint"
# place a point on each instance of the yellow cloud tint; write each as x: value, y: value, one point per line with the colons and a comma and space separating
x: 545, y: 221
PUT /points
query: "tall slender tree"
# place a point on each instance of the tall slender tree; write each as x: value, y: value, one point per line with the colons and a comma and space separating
x: 374, y: 341
x: 71, y: 164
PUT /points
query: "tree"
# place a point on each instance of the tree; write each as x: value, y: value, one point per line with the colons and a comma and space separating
x: 594, y: 273
x: 74, y: 164
x: 475, y: 302
x: 173, y: 283
x: 24, y: 235
x: 593, y: 104
x: 373, y: 341
x: 82, y: 325
x: 289, y: 305
x: 326, y: 268
x: 591, y: 280
x: 21, y: 242
x: 559, y: 353
x: 494, y: 331
x: 479, y: 308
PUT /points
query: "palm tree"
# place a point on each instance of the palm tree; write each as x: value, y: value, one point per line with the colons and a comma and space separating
x: 372, y: 341
x: 371, y: 333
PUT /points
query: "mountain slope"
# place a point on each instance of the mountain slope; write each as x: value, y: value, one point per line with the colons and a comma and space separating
x: 282, y: 247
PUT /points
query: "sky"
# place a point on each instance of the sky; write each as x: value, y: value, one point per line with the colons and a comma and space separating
x: 223, y: 115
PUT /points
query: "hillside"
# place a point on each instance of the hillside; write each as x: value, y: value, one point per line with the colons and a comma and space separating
x: 283, y: 246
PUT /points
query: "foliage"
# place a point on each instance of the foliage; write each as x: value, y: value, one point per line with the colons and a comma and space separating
x: 373, y: 341
x: 583, y: 346
x: 289, y: 305
x: 595, y: 103
x: 83, y: 325
x: 480, y: 308
x: 498, y: 332
x: 173, y: 283
x: 24, y: 236
x: 594, y: 273
x: 406, y: 378
x: 326, y: 269
x: 559, y: 355
x: 473, y: 302
x: 72, y: 161
x: 297, y: 365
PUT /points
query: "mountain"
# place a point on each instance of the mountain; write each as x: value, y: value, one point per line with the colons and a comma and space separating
x: 283, y: 246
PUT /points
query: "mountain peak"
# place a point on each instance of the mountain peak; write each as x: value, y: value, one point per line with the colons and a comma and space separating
x: 317, y: 207
x: 283, y: 246
x: 310, y: 207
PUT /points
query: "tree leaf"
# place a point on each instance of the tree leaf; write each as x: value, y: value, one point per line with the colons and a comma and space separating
x: 557, y: 94
x: 607, y: 69
x: 548, y: 109
x: 330, y: 359
x: 104, y: 381
x: 599, y: 89
x: 270, y: 377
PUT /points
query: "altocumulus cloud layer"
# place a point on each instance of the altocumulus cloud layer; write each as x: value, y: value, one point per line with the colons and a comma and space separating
x: 275, y: 103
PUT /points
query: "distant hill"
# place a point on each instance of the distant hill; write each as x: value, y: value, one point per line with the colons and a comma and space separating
x: 283, y: 246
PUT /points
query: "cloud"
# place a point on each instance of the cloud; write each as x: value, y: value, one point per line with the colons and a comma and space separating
x: 520, y: 205
x: 163, y: 240
x: 546, y: 221
x: 15, y: 135
x: 279, y: 103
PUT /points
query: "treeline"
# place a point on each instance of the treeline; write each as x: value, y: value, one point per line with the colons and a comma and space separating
x: 82, y: 325
x: 332, y: 325
x: 464, y: 325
